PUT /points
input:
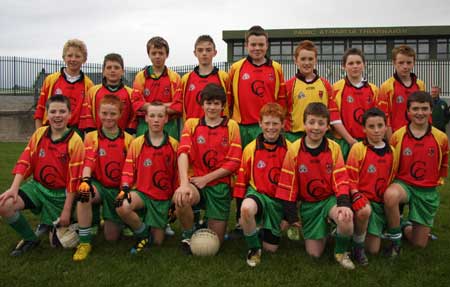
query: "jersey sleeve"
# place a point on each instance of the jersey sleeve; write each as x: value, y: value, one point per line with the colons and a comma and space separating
x: 340, y: 180
x: 353, y: 166
x: 24, y: 164
x: 287, y: 185
x: 443, y: 171
x: 186, y: 137
x: 45, y: 90
x: 90, y: 147
x: 129, y: 167
x: 233, y: 157
x: 177, y: 104
x: 333, y: 108
x: 76, y: 153
x: 383, y: 102
x: 87, y: 111
x: 281, y: 97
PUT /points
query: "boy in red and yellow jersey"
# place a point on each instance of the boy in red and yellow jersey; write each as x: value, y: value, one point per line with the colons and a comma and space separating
x: 70, y: 82
x: 106, y: 150
x: 304, y: 88
x: 210, y: 147
x: 257, y: 182
x: 187, y: 101
x: 54, y: 156
x: 112, y: 84
x: 370, y: 166
x: 422, y: 153
x: 394, y: 92
x: 254, y: 81
x: 149, y: 179
x: 352, y: 96
x: 157, y: 82
x: 314, y: 173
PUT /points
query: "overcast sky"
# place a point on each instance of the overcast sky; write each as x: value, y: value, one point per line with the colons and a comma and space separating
x: 39, y: 29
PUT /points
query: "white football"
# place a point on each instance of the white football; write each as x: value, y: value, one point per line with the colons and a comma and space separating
x: 205, y: 242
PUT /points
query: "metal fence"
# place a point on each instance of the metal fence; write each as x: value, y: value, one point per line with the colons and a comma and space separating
x: 24, y: 76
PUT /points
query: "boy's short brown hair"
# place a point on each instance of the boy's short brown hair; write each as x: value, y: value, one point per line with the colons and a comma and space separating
x: 159, y: 43
x: 419, y: 97
x: 272, y: 109
x: 405, y: 50
x: 256, y: 31
x: 371, y: 113
x: 155, y: 104
x: 213, y: 92
x: 316, y: 109
x: 306, y: 45
x: 204, y: 38
x: 58, y: 98
x: 113, y: 57
x: 75, y: 43
x: 352, y: 51
x: 112, y: 99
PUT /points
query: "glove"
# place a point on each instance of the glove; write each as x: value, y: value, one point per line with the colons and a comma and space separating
x: 123, y: 194
x: 358, y: 201
x: 85, y: 190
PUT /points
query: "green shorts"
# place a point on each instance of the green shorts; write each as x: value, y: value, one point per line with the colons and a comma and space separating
x: 172, y: 128
x: 292, y: 137
x: 423, y: 203
x: 315, y: 222
x: 248, y: 133
x: 49, y: 203
x: 270, y: 211
x: 216, y: 201
x: 155, y: 212
x: 108, y: 196
x: 377, y: 219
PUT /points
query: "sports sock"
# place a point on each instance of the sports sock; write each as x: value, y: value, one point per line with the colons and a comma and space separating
x: 142, y: 231
x: 358, y: 240
x: 21, y: 226
x: 85, y: 234
x: 395, y: 235
x: 252, y: 240
x: 342, y: 243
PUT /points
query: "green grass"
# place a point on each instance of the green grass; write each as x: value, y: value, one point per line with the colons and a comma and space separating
x: 111, y: 265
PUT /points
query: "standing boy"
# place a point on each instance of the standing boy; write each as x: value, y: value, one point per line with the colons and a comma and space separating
x: 149, y: 178
x: 106, y: 149
x: 304, y: 88
x: 156, y: 82
x: 314, y: 173
x: 211, y: 147
x: 54, y: 156
x: 113, y: 69
x: 188, y: 99
x: 70, y: 82
x: 395, y: 91
x: 441, y: 113
x: 254, y: 81
x: 257, y: 183
x: 422, y: 153
x: 370, y: 167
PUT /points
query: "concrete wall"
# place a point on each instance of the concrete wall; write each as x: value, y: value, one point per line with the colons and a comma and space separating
x: 16, y: 126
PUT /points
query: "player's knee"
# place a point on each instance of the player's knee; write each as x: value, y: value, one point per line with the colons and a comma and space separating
x: 123, y: 210
x: 391, y: 197
x: 363, y: 214
x: 247, y: 211
x: 7, y: 209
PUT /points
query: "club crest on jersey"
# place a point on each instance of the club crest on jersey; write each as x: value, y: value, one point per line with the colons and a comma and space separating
x: 201, y: 140
x: 321, y: 94
x: 431, y: 152
x: 41, y: 152
x: 166, y: 91
x: 261, y: 164
x: 329, y: 168
x: 147, y: 162
x: 350, y: 99
x: 245, y: 76
x: 371, y: 169
x: 58, y: 91
x: 191, y: 87
x: 101, y: 152
x: 146, y: 92
x: 224, y: 141
x: 302, y: 169
x: 271, y: 77
x: 400, y: 100
x: 407, y: 152
x: 301, y: 95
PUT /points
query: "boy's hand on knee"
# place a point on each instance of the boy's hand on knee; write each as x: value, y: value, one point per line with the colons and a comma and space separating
x: 359, y: 200
x: 344, y: 214
x: 85, y: 190
x: 124, y: 193
x: 10, y: 193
